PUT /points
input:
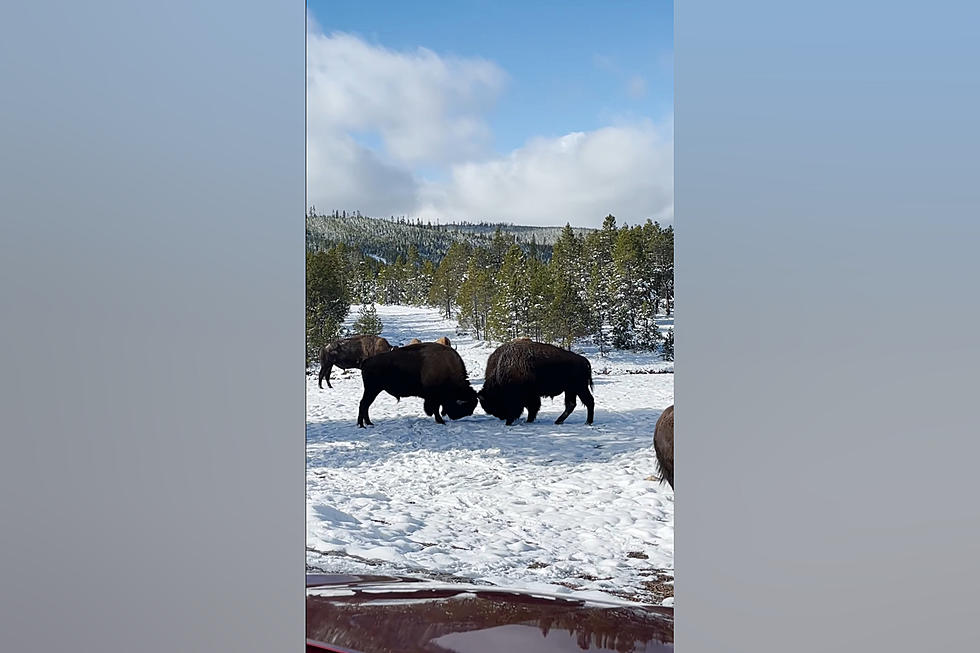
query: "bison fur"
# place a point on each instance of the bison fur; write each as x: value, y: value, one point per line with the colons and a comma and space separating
x: 520, y: 372
x: 428, y: 370
x: 349, y: 352
x: 663, y: 444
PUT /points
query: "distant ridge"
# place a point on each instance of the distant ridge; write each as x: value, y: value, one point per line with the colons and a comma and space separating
x: 387, y: 239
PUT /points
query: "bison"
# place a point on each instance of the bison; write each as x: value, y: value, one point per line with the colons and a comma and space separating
x: 444, y: 341
x: 663, y: 444
x: 520, y: 372
x: 428, y: 370
x: 349, y: 352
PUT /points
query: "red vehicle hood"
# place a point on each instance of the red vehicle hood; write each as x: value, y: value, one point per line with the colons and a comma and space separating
x: 384, y: 614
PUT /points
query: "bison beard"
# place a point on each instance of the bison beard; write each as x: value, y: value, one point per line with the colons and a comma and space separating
x: 428, y: 370
x: 520, y: 372
x: 663, y: 444
x: 348, y: 353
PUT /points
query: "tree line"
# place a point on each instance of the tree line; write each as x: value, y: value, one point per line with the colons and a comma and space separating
x: 605, y: 286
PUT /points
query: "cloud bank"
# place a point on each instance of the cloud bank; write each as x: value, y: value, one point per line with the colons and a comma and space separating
x: 427, y: 110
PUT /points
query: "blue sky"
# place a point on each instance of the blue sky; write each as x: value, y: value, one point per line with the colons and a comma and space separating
x: 535, y: 94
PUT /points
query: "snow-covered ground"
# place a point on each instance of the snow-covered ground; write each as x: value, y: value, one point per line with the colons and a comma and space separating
x: 544, y: 507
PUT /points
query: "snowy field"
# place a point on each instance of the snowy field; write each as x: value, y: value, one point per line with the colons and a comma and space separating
x: 561, y: 509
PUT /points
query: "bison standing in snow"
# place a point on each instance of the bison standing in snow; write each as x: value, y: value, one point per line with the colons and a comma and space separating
x: 663, y: 444
x: 349, y: 352
x: 522, y: 371
x: 427, y: 370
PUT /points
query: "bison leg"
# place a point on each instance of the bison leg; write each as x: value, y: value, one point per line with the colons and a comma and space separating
x: 366, y: 401
x: 439, y: 419
x: 569, y: 406
x: 325, y: 374
x: 533, y: 404
x: 430, y: 407
x: 589, y: 402
x: 516, y: 415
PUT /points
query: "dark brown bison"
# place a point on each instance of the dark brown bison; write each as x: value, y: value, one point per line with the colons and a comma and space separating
x: 444, y: 341
x: 663, y: 444
x: 427, y: 370
x: 349, y: 352
x: 520, y: 372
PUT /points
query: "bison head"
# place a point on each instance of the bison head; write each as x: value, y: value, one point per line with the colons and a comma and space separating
x: 328, y: 357
x: 488, y: 403
x: 462, y: 406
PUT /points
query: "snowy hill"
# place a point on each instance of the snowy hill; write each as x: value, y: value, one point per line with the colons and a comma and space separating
x: 387, y: 239
x: 555, y: 508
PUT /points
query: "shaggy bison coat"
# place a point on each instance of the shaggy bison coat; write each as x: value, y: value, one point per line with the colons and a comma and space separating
x: 520, y: 372
x: 415, y: 341
x: 444, y: 341
x: 427, y: 370
x: 663, y: 444
x: 349, y: 352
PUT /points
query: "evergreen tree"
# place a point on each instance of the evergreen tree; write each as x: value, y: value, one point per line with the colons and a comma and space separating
x: 567, y: 316
x: 368, y: 323
x: 510, y: 313
x: 498, y: 247
x: 540, y: 297
x: 448, y: 278
x: 668, y: 345
x: 627, y: 287
x: 647, y: 333
x: 327, y: 299
x: 599, y: 290
x: 476, y: 297
x: 533, y: 252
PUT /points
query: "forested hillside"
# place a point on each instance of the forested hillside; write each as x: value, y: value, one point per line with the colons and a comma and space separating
x: 387, y: 239
x: 498, y: 281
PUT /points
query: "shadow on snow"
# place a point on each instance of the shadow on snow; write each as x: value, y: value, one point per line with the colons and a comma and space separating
x: 340, y: 443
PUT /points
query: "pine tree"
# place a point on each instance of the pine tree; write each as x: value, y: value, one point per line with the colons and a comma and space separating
x: 368, y: 323
x: 599, y: 290
x: 627, y: 287
x: 498, y: 247
x: 448, y: 278
x: 647, y: 333
x: 510, y: 313
x: 327, y: 299
x: 475, y: 296
x: 540, y: 296
x: 668, y: 345
x: 567, y: 315
x: 564, y: 321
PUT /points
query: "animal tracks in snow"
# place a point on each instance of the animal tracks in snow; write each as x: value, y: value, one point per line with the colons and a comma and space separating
x: 536, y: 505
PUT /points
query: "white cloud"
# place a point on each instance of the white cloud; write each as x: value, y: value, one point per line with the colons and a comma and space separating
x: 426, y: 108
x: 429, y: 110
x: 626, y: 170
x: 341, y: 174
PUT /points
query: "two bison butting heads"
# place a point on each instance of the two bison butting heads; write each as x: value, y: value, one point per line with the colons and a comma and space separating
x: 518, y: 374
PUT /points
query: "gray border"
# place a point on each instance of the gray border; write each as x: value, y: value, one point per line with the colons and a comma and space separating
x: 152, y: 188
x: 151, y: 291
x: 826, y: 196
